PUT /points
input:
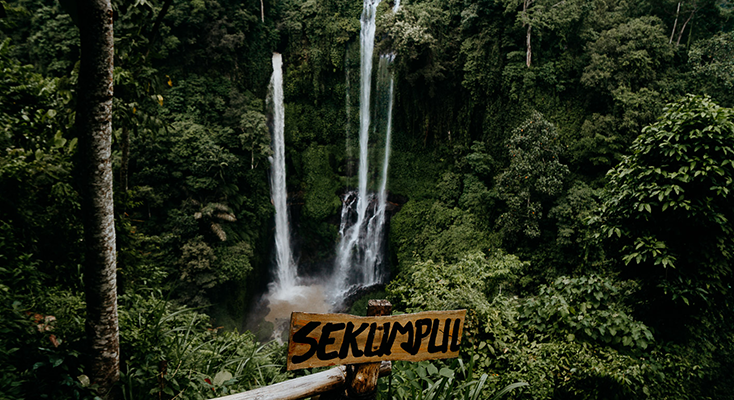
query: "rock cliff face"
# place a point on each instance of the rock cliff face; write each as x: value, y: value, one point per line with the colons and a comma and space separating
x: 355, y: 293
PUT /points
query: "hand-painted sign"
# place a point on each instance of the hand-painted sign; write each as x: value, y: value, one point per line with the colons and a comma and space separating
x: 318, y: 340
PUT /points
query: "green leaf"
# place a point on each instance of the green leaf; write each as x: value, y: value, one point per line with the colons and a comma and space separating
x: 56, y: 361
x: 446, y: 372
x: 509, y: 388
x: 221, y: 377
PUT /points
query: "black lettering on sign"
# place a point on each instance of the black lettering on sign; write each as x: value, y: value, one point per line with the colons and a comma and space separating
x: 330, y: 339
x: 326, y: 340
x: 432, y: 348
x: 301, y: 336
x: 398, y: 328
x: 446, y: 327
x: 385, y: 338
x: 420, y: 334
x: 368, y: 350
x: 455, y: 338
x: 350, y: 340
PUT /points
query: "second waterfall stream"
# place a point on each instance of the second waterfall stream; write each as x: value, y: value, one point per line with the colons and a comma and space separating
x: 360, y: 253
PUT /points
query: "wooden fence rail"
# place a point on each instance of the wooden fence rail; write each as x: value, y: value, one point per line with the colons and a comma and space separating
x: 305, y: 386
x: 421, y: 337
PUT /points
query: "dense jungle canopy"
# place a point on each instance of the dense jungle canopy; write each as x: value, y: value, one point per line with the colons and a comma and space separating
x: 563, y: 169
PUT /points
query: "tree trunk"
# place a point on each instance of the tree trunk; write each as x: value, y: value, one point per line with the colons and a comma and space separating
x: 675, y: 24
x: 529, y: 54
x: 94, y: 127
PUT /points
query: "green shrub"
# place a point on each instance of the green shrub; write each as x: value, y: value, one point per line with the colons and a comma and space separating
x: 435, y: 380
x: 468, y: 283
x: 174, y: 352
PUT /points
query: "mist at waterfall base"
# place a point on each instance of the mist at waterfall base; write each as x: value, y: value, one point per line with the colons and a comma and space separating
x: 360, y: 254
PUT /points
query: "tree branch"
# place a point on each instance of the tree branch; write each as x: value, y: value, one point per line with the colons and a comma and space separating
x: 675, y: 24
x: 683, y: 28
x: 157, y: 25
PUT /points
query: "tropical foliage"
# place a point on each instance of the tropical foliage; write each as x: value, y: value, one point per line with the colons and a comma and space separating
x: 563, y: 170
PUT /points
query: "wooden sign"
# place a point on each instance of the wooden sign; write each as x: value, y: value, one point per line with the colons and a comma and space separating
x: 319, y: 340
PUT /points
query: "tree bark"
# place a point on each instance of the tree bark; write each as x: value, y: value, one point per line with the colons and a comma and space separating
x: 675, y: 24
x: 529, y: 53
x: 94, y: 127
x: 683, y: 28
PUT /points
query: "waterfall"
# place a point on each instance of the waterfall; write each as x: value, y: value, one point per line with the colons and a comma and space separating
x: 350, y: 266
x: 376, y: 225
x: 359, y: 253
x: 348, y: 111
x: 285, y: 266
x: 288, y: 292
x: 367, y: 45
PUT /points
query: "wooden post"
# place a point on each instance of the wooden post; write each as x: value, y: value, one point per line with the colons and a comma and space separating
x: 362, y: 378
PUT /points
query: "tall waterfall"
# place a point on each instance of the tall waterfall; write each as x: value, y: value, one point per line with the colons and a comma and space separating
x: 376, y: 225
x: 288, y: 292
x: 359, y: 259
x: 285, y: 266
x: 359, y: 254
x: 367, y: 45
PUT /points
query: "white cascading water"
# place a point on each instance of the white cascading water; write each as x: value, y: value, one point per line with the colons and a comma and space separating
x: 285, y: 266
x: 348, y: 109
x: 376, y: 225
x: 359, y: 254
x: 349, y: 260
x: 286, y: 293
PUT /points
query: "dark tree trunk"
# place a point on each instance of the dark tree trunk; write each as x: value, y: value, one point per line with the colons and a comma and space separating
x: 94, y: 126
x: 157, y: 25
